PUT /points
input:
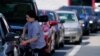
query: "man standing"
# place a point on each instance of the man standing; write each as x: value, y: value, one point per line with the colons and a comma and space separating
x: 35, y: 34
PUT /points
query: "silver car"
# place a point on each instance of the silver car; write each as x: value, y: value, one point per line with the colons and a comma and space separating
x: 72, y: 28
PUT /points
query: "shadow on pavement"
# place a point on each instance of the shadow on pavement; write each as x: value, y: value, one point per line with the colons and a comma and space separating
x: 59, y: 54
x: 85, y: 43
x: 66, y: 48
x: 85, y: 37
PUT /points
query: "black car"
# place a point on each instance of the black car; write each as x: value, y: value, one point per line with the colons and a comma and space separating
x: 82, y: 19
x: 4, y: 31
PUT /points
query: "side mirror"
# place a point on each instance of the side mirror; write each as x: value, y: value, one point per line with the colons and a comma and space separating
x: 10, y: 37
x: 52, y: 23
x: 62, y: 21
x: 43, y: 18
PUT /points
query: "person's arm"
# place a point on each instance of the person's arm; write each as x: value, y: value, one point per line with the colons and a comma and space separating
x: 24, y: 30
x: 34, y: 39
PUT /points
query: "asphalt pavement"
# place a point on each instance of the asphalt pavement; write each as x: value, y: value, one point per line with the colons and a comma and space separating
x: 90, y: 46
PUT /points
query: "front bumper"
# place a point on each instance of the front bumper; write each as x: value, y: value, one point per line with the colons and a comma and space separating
x: 72, y: 36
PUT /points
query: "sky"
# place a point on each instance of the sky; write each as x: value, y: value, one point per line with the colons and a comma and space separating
x: 51, y: 4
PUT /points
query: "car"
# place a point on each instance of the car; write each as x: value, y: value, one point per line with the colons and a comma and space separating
x: 56, y: 28
x: 4, y: 31
x: 72, y: 28
x: 82, y: 19
x: 48, y: 30
x: 91, y: 18
x: 14, y: 12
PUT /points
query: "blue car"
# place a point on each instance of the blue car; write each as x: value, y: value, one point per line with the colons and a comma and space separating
x: 91, y: 18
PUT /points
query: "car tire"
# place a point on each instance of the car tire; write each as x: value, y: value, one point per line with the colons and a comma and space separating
x: 57, y: 46
x: 56, y: 42
x: 62, y: 44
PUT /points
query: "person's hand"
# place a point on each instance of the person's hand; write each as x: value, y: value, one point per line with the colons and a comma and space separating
x: 24, y: 43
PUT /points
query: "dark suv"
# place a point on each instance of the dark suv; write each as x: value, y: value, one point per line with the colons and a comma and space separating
x: 14, y: 12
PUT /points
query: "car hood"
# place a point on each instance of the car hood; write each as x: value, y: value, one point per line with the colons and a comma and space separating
x: 71, y: 25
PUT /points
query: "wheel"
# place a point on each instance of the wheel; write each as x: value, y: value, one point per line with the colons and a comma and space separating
x: 57, y: 46
x: 56, y: 42
x: 62, y: 44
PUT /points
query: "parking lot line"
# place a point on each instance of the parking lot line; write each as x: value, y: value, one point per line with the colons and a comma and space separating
x: 74, y: 51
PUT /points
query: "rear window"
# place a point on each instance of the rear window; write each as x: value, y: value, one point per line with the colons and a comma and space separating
x: 14, y: 10
x: 67, y: 16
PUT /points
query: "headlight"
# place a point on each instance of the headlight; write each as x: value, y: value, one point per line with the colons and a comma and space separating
x: 91, y: 22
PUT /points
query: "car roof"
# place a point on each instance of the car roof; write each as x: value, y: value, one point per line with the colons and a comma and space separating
x: 62, y: 11
x: 47, y: 11
x: 64, y: 7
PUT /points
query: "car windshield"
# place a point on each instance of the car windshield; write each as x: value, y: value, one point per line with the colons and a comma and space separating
x: 88, y: 10
x: 15, y: 12
x: 67, y: 16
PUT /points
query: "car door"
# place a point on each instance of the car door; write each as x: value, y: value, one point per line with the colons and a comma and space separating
x: 2, y: 44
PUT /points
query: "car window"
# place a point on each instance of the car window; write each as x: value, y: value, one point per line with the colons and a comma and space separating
x: 14, y: 10
x: 51, y: 16
x: 97, y: 14
x: 67, y: 16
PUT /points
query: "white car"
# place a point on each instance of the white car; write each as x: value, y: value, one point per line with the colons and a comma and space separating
x: 72, y: 28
